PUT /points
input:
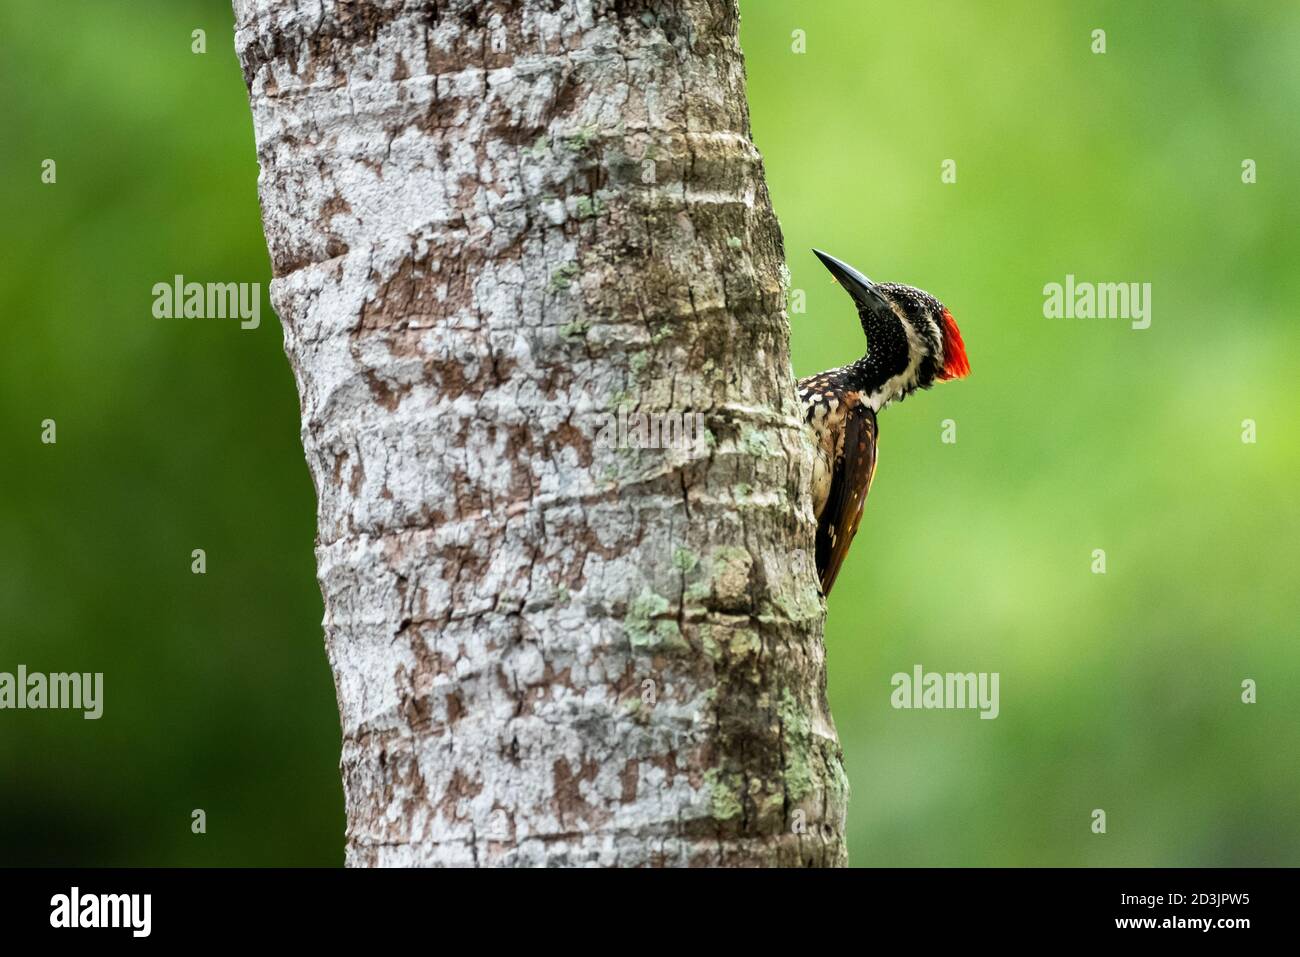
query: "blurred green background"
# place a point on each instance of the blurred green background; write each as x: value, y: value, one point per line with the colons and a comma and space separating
x: 1118, y: 691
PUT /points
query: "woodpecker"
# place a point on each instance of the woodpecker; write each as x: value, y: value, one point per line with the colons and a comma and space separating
x: 912, y: 343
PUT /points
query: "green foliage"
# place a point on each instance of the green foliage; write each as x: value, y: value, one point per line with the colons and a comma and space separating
x: 172, y: 435
x: 1119, y: 691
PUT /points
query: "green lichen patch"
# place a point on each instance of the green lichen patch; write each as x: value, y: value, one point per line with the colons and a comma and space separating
x: 800, y: 754
x: 724, y: 791
x: 697, y: 592
x: 575, y: 329
x: 587, y: 207
x: 562, y: 277
x: 838, y: 781
x: 756, y: 443
x: 709, y: 644
x: 581, y: 140
x: 618, y: 400
x: 730, y: 576
x: 744, y: 642
x: 647, y: 629
x: 685, y: 560
x: 802, y: 605
x: 541, y: 146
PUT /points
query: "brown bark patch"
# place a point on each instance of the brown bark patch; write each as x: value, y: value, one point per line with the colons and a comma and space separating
x: 570, y: 805
x: 460, y: 788
x: 629, y: 778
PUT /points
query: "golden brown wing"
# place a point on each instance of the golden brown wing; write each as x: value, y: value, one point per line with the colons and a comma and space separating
x: 851, y: 474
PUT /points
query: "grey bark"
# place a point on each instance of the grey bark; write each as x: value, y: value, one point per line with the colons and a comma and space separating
x: 492, y: 226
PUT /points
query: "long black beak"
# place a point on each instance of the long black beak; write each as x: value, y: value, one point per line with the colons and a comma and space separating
x: 862, y: 289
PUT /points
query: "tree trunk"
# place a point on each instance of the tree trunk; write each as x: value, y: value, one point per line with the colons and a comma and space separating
x: 497, y: 230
